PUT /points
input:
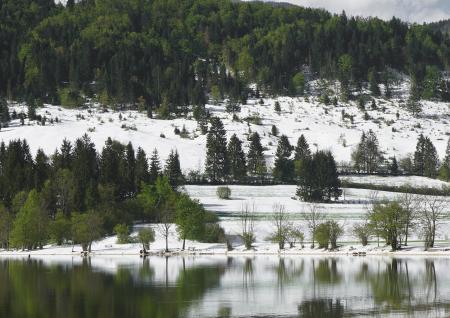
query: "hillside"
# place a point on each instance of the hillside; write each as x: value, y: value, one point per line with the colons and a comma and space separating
x: 323, y: 127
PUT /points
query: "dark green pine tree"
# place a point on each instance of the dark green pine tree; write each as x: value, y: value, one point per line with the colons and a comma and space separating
x: 373, y: 83
x: 173, y: 170
x: 284, y: 166
x: 4, y: 111
x: 302, y: 150
x: 85, y: 170
x: 65, y: 157
x: 130, y: 170
x: 256, y: 163
x: 393, y: 167
x: 431, y: 159
x: 236, y: 157
x: 302, y: 153
x: 142, y: 174
x: 318, y: 178
x: 155, y: 167
x: 216, y: 165
x: 419, y: 156
x: 41, y: 169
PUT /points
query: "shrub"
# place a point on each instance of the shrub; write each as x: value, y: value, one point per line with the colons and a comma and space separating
x: 362, y: 232
x: 223, y: 193
x: 123, y: 233
x: 274, y: 130
x: 214, y: 233
x: 249, y: 239
x: 145, y: 237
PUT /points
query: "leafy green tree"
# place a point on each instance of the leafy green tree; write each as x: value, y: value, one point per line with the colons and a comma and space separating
x: 145, y: 237
x: 387, y: 219
x: 60, y: 228
x: 123, y: 233
x: 30, y: 228
x: 6, y: 222
x: 299, y: 83
x: 86, y: 229
x: 190, y: 219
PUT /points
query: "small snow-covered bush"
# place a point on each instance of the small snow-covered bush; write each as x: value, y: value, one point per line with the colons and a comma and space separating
x: 223, y: 193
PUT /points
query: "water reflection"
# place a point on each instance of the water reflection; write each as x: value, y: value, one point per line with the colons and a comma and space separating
x: 225, y: 287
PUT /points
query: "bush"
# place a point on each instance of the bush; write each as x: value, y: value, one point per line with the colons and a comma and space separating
x: 70, y: 98
x: 249, y: 239
x: 362, y: 232
x: 145, y: 237
x: 223, y: 193
x: 123, y: 233
x: 214, y: 233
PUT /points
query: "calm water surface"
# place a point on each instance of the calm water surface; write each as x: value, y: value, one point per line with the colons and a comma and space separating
x: 265, y: 286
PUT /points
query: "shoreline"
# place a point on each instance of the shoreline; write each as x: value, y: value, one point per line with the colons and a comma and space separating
x: 345, y: 252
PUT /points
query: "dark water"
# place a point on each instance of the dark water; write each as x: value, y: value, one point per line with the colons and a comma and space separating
x: 225, y: 287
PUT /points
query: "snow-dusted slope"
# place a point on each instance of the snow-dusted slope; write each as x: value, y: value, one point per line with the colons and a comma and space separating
x: 323, y: 126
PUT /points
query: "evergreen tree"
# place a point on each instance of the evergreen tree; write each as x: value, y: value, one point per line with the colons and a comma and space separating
x: 41, y: 169
x: 367, y: 156
x: 155, y: 167
x: 256, y: 163
x: 173, y: 170
x: 4, y: 111
x: 318, y: 178
x: 142, y: 174
x: 345, y: 66
x: 426, y: 161
x: 130, y: 170
x: 284, y: 166
x: 236, y: 157
x: 444, y: 172
x: 216, y: 165
x: 373, y: 83
x: 393, y: 167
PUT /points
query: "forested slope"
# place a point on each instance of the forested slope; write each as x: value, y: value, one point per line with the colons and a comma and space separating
x: 175, y: 53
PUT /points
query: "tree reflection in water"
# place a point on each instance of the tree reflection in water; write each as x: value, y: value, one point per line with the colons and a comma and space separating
x: 178, y: 287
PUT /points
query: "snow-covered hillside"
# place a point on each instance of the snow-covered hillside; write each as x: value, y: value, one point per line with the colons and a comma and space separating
x: 323, y: 126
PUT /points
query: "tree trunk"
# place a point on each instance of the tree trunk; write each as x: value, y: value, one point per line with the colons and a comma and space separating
x: 167, y: 243
x: 184, y: 244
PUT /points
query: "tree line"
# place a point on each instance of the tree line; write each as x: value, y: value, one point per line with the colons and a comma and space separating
x: 392, y: 221
x: 315, y: 173
x: 368, y: 158
x: 165, y: 54
x: 79, y: 195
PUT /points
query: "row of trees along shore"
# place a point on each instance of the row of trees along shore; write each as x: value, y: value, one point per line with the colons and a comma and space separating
x: 392, y: 221
x: 79, y: 195
x: 167, y: 54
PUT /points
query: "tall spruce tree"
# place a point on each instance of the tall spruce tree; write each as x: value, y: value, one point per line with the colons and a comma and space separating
x: 155, y: 167
x: 367, y: 157
x: 173, y: 170
x: 142, y: 174
x: 4, y: 111
x: 284, y: 166
x: 318, y: 178
x: 41, y: 169
x: 216, y: 165
x: 256, y: 162
x: 236, y: 157
x: 426, y: 160
x: 130, y: 170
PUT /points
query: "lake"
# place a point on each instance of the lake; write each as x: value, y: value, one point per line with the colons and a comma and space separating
x: 220, y: 286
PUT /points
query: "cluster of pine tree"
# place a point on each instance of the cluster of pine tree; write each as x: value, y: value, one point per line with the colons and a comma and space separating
x: 168, y: 54
x: 368, y: 158
x: 316, y: 173
x: 42, y: 197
